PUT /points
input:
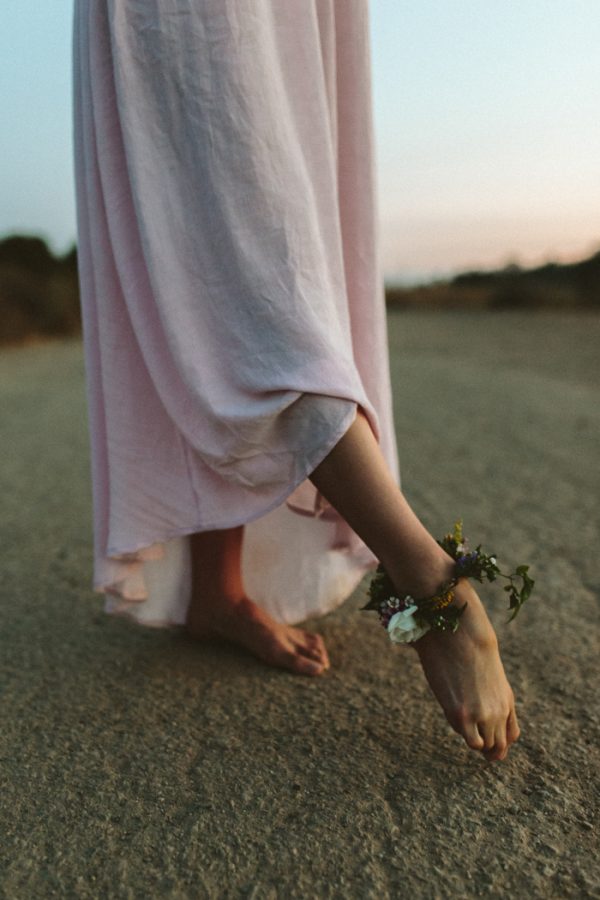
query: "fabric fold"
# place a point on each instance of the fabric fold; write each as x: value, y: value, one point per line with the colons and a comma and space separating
x: 233, y: 308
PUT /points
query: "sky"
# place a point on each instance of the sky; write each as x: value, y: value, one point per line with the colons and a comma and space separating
x: 487, y: 129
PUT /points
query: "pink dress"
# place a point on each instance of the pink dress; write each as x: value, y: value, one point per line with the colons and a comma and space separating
x: 233, y: 307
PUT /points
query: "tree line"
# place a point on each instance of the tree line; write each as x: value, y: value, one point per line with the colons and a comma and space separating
x: 39, y: 291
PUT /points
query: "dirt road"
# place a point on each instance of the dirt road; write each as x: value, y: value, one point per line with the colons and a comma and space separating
x: 138, y: 764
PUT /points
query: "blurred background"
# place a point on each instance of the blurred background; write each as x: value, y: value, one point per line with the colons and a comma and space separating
x: 488, y: 140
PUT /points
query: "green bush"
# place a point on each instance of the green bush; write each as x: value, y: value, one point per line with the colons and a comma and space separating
x: 39, y: 292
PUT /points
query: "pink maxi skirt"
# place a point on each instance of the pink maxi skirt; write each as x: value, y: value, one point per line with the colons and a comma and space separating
x: 233, y: 306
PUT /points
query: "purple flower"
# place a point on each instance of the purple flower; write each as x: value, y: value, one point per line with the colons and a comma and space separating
x: 467, y: 559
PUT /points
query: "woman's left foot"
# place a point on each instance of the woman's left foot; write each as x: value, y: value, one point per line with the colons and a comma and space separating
x: 465, y: 672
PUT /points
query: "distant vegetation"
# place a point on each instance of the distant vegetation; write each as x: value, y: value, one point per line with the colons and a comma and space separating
x: 552, y: 286
x: 39, y: 292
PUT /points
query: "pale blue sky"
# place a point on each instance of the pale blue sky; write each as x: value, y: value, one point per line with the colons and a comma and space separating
x: 487, y: 116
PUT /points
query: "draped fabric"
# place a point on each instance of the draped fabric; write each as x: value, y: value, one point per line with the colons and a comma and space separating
x: 232, y: 302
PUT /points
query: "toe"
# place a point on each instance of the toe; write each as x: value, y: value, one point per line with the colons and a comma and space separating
x: 324, y: 653
x: 498, y: 752
x: 309, y: 652
x: 495, y: 742
x: 313, y: 646
x: 500, y: 749
x: 512, y: 727
x: 472, y: 736
x: 488, y: 733
x: 289, y: 657
x: 306, y: 666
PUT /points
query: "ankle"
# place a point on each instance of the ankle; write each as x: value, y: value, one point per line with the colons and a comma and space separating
x: 475, y: 617
x: 426, y: 574
x: 212, y: 600
x: 217, y: 584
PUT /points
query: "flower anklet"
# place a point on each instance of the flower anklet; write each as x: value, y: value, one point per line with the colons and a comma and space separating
x: 406, y: 619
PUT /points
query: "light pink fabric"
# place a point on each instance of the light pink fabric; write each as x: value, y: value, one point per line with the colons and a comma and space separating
x: 232, y: 301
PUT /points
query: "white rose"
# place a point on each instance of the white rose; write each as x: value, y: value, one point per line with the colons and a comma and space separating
x: 402, y: 627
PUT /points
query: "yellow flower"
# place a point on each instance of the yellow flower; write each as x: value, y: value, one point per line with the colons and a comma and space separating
x: 444, y: 599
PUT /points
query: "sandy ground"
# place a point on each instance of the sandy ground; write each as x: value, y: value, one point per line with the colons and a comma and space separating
x: 136, y: 763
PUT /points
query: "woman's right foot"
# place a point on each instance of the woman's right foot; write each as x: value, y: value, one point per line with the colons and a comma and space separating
x: 465, y: 672
x: 219, y: 607
x: 241, y: 621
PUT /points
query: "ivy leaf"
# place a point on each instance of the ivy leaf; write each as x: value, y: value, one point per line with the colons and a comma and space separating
x: 380, y: 589
x: 518, y: 598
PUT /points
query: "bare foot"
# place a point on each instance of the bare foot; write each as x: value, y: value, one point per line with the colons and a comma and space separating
x: 465, y: 672
x: 241, y: 621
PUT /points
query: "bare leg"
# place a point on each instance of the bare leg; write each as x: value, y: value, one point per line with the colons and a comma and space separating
x: 463, y: 669
x: 220, y: 607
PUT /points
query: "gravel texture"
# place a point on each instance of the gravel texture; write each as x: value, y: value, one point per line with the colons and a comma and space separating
x: 139, y: 764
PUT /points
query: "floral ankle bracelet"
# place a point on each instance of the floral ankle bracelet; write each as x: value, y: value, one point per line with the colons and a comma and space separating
x: 407, y: 619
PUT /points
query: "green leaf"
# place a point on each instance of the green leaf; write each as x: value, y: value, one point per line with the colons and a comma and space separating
x: 518, y: 598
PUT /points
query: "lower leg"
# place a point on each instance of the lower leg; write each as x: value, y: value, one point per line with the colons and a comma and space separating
x: 356, y: 480
x: 464, y: 669
x: 216, y: 561
x: 220, y: 607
